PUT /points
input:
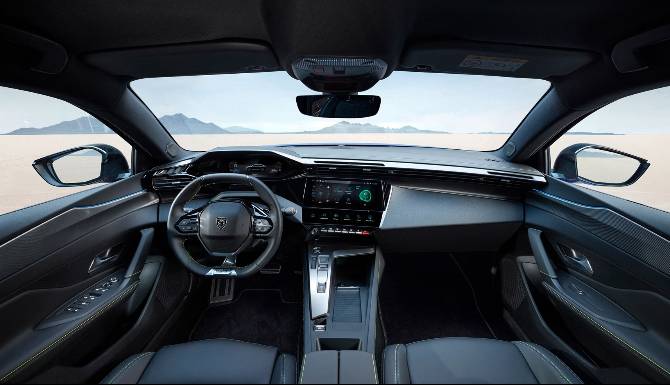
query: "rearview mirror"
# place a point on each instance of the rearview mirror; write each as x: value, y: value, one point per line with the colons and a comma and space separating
x: 599, y: 166
x: 339, y: 106
x: 81, y: 166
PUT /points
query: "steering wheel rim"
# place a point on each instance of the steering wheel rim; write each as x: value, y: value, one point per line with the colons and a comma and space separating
x: 176, y: 238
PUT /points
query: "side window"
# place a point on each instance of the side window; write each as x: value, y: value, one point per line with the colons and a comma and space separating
x: 39, y: 128
x: 637, y: 128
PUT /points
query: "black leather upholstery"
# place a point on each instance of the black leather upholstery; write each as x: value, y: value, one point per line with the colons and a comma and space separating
x: 467, y: 360
x: 207, y: 362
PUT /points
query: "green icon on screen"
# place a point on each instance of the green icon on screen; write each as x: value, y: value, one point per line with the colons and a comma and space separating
x: 365, y: 196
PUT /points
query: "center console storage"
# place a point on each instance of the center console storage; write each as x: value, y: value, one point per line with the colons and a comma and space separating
x: 333, y: 367
x: 341, y: 295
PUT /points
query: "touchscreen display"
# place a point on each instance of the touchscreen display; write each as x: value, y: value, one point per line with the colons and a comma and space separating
x: 353, y: 195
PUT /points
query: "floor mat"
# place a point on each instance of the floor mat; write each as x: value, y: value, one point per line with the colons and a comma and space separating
x: 258, y: 316
x: 432, y: 299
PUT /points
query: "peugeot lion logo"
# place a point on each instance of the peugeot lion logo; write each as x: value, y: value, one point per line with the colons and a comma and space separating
x: 221, y: 222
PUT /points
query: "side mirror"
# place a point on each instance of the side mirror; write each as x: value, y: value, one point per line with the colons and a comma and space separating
x: 82, y: 166
x: 599, y: 166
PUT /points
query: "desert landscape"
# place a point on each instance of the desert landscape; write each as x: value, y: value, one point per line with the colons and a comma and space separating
x: 21, y: 186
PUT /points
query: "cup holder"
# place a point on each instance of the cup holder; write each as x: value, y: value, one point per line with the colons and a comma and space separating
x: 339, y: 344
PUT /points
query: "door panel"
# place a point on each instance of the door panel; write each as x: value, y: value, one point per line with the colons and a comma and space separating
x: 70, y: 274
x: 606, y: 272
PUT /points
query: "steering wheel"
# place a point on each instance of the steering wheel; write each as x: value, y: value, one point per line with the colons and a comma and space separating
x: 225, y: 226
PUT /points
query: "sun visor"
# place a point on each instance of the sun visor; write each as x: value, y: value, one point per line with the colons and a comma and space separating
x: 493, y: 59
x: 186, y: 59
x: 26, y: 50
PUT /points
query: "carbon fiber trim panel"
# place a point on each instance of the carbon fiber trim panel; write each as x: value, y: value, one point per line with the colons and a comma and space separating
x: 623, y: 233
x: 35, y: 244
x: 513, y: 291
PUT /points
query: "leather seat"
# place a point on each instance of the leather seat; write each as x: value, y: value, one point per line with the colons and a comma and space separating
x: 468, y: 360
x: 207, y: 362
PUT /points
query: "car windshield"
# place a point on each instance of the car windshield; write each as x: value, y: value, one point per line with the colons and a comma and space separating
x: 423, y: 109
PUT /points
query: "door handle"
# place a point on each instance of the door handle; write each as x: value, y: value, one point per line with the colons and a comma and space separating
x: 107, y: 256
x: 575, y: 259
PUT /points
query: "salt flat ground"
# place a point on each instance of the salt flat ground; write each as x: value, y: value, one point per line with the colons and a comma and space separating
x: 20, y: 186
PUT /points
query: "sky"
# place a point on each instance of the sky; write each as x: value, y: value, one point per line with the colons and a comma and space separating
x: 266, y: 101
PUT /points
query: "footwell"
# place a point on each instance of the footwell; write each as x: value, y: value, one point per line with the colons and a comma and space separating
x: 258, y: 316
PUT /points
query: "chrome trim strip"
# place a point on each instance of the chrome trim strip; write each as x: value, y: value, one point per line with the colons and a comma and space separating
x: 452, y: 192
x: 221, y: 272
x: 319, y: 301
x: 388, y: 203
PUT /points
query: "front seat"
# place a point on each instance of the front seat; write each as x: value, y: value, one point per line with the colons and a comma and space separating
x: 207, y: 362
x: 470, y: 360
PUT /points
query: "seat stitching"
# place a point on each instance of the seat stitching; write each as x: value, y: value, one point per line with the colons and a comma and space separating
x: 374, y: 366
x: 283, y: 369
x: 384, y: 365
x: 565, y: 366
x: 69, y: 333
x: 302, y: 371
x: 446, y: 339
x: 128, y: 366
x: 397, y: 365
x: 546, y: 359
x: 607, y: 332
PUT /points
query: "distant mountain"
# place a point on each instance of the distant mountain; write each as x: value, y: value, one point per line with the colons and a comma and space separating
x: 345, y: 127
x: 83, y: 125
x: 177, y: 124
x: 180, y: 124
x: 241, y: 130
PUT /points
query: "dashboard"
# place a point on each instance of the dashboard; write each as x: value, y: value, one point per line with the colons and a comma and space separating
x: 396, y: 194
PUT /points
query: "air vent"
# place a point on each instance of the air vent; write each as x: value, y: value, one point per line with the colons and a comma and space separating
x: 336, y: 163
x: 507, y: 174
x: 358, y: 171
x: 174, y: 178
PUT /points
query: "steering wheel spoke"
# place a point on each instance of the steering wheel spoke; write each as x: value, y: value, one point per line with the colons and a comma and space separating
x: 188, y: 225
x: 262, y: 227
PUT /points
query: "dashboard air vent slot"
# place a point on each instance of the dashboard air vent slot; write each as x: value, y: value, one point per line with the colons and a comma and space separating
x: 364, y: 171
x: 358, y: 164
x: 173, y: 178
x: 505, y: 174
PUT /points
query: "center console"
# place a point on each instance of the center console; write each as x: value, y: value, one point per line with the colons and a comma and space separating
x: 343, y: 267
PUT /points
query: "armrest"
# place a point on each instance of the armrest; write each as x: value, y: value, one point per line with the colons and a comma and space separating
x: 345, y: 367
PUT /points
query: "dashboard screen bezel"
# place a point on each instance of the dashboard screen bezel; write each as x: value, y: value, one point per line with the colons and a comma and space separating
x: 376, y: 186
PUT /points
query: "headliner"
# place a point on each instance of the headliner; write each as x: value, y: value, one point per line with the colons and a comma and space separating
x: 86, y: 25
x: 387, y: 29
